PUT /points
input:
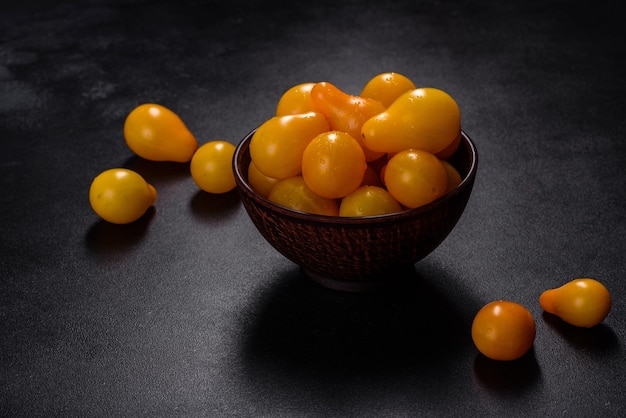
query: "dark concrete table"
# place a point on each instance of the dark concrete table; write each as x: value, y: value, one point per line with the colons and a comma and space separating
x: 190, y: 312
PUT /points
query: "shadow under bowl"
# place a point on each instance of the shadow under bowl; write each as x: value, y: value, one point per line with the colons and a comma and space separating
x: 357, y: 253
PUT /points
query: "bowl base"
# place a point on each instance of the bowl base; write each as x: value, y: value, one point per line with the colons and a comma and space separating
x: 377, y: 282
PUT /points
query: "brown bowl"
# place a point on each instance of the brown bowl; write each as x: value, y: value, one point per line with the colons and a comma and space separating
x: 357, y: 253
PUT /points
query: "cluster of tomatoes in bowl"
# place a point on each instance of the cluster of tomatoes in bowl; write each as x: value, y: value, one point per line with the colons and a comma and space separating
x: 328, y: 152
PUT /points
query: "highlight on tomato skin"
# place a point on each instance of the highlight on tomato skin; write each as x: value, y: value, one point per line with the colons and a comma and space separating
x: 277, y: 145
x: 424, y: 118
x: 120, y: 195
x: 503, y: 330
x: 156, y: 133
x: 582, y: 302
x: 211, y: 167
x: 317, y: 133
x: 297, y: 99
x: 346, y: 112
x: 387, y: 87
x: 293, y: 193
x: 333, y: 164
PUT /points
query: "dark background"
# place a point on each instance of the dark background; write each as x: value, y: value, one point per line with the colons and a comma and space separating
x: 190, y: 312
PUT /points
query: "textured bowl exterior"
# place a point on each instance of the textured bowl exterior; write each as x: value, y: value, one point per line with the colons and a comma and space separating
x: 357, y: 251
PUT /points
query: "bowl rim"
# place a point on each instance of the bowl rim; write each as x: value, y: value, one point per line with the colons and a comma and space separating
x: 242, y: 182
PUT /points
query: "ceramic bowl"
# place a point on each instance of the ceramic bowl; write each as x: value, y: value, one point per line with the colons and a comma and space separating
x: 352, y: 253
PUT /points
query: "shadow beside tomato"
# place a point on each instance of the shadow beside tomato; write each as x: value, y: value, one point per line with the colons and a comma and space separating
x: 511, y: 376
x: 158, y: 171
x: 108, y: 239
x: 598, y: 339
x: 211, y: 208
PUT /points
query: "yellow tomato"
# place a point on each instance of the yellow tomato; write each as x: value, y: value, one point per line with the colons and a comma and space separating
x: 503, y: 330
x: 581, y: 302
x: 454, y: 178
x: 120, y: 195
x: 259, y: 182
x: 387, y: 87
x: 212, y: 167
x: 296, y: 100
x: 415, y: 177
x: 424, y: 118
x: 449, y: 151
x: 156, y: 133
x: 368, y: 201
x: 293, y: 193
x: 333, y: 164
x: 277, y: 145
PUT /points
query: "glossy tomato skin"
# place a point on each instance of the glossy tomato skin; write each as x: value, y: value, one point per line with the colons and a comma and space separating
x: 583, y: 302
x: 415, y: 177
x: 295, y: 100
x: 120, y: 195
x: 333, y: 164
x: 368, y: 201
x: 261, y: 183
x: 346, y: 112
x: 387, y: 87
x: 156, y: 133
x: 503, y: 330
x: 277, y: 145
x: 211, y: 167
x: 454, y: 177
x: 425, y: 118
x: 293, y: 193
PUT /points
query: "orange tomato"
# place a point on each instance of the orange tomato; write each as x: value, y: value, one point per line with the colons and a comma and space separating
x: 295, y: 100
x: 156, y: 133
x: 454, y: 178
x: 424, y: 118
x: 387, y: 87
x: 449, y: 151
x: 120, y: 195
x: 261, y: 183
x: 368, y: 201
x: 503, y: 330
x: 583, y: 302
x: 293, y: 193
x: 345, y: 112
x: 333, y: 164
x: 277, y: 145
x: 415, y: 177
x: 212, y: 167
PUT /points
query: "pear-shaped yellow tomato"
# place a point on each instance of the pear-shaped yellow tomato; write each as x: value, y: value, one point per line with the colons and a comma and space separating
x: 583, y: 302
x: 387, y: 87
x: 415, y: 177
x: 212, y: 167
x: 333, y: 164
x: 293, y: 193
x: 259, y: 182
x: 277, y: 145
x: 156, y: 133
x: 368, y: 201
x: 424, y: 118
x: 345, y: 112
x: 120, y: 195
x: 295, y: 100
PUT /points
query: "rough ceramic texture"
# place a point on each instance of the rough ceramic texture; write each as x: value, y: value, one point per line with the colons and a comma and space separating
x: 357, y: 253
